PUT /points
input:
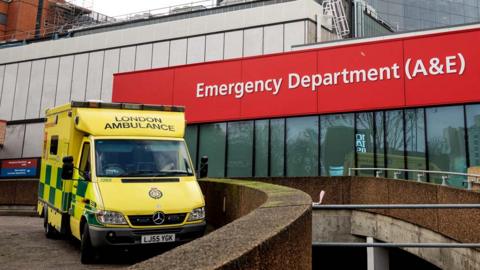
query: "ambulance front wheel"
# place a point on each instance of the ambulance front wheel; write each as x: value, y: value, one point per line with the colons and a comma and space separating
x: 50, y: 231
x: 88, y: 253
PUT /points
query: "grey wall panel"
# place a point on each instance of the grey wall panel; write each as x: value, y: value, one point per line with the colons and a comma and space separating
x: 32, y: 145
x: 196, y: 50
x: 161, y: 54
x: 14, y: 142
x: 273, y: 39
x: 64, y: 80
x: 8, y: 93
x: 294, y: 35
x: 178, y: 52
x: 127, y: 59
x: 110, y: 66
x: 2, y: 73
x: 49, y: 85
x: 253, y: 42
x: 233, y: 44
x: 214, y: 47
x: 79, y: 80
x: 94, y: 77
x: 21, y: 91
x: 311, y: 32
x: 35, y: 89
x: 143, y: 60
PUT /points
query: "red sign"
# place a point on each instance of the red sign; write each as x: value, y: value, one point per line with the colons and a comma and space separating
x: 437, y: 69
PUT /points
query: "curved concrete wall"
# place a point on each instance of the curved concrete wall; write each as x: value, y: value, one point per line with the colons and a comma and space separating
x: 263, y: 226
x: 458, y: 224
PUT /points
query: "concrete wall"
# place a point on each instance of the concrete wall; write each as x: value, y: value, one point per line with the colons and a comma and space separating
x: 458, y: 224
x: 37, y: 76
x: 264, y: 226
x: 18, y: 192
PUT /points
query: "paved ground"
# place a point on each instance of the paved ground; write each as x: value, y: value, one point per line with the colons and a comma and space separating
x: 23, y: 245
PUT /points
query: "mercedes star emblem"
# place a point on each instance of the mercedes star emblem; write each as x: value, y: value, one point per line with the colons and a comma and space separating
x: 158, y: 218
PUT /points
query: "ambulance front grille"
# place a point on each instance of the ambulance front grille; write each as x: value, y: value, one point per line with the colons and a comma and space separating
x: 147, y: 220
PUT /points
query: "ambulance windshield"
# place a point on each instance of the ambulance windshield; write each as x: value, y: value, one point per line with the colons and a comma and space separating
x: 137, y: 158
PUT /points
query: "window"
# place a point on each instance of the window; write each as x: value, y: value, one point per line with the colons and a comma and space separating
x: 446, y: 142
x: 277, y: 147
x: 85, y: 159
x: 302, y: 146
x: 137, y: 158
x: 364, y: 142
x: 212, y: 144
x: 240, y: 149
x: 261, y: 148
x: 395, y: 140
x: 191, y: 133
x: 337, y: 144
x: 473, y: 128
x: 54, y: 145
x: 380, y: 140
x: 415, y: 140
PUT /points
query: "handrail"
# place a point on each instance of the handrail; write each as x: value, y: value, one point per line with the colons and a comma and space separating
x: 396, y: 245
x: 421, y: 173
x: 392, y: 206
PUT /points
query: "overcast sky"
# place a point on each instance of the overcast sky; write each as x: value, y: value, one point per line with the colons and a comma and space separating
x: 116, y: 7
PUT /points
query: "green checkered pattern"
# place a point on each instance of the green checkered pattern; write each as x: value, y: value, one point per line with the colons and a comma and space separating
x: 50, y: 188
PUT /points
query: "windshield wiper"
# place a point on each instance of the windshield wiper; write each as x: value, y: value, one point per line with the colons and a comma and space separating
x: 168, y: 173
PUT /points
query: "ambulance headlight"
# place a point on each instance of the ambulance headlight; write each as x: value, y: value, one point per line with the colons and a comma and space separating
x: 197, y: 214
x: 110, y: 217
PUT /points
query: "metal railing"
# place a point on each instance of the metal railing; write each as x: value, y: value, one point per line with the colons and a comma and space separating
x: 317, y: 206
x: 470, y: 178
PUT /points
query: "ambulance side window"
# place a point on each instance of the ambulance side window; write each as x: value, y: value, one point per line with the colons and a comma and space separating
x: 54, y: 145
x: 85, y: 159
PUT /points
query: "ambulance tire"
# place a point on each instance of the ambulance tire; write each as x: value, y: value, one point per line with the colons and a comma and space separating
x: 88, y: 253
x: 50, y: 231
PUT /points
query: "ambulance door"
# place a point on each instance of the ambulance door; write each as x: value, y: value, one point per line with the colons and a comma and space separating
x: 82, y: 180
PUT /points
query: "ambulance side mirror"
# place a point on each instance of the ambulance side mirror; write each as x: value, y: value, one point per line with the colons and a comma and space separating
x: 203, y: 167
x: 67, y: 168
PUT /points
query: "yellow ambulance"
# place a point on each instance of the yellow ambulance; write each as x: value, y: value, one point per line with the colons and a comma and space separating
x: 118, y: 174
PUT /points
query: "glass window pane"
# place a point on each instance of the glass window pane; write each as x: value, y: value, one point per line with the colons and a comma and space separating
x: 302, y: 146
x: 191, y: 140
x: 446, y: 142
x: 364, y: 142
x: 415, y: 139
x: 473, y: 125
x: 395, y: 141
x: 261, y: 148
x: 380, y: 140
x: 277, y: 146
x: 337, y: 144
x: 212, y: 144
x: 240, y: 149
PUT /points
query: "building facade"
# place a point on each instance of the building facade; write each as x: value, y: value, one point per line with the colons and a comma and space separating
x: 404, y: 102
x: 38, y: 75
x: 408, y: 15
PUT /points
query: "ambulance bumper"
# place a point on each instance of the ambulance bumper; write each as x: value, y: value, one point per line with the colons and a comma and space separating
x: 127, y: 236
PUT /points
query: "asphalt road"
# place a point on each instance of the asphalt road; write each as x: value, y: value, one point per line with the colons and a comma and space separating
x: 23, y: 245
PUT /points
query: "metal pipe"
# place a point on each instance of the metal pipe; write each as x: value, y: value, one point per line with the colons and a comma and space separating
x: 396, y: 245
x: 392, y: 206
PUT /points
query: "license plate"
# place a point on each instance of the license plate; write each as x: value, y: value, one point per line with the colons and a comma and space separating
x: 158, y: 238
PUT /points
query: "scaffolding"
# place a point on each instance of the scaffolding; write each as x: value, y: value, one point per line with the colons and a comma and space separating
x: 334, y: 11
x: 65, y: 15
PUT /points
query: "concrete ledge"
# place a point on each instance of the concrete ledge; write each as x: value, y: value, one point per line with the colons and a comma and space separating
x: 261, y: 226
x: 393, y: 230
